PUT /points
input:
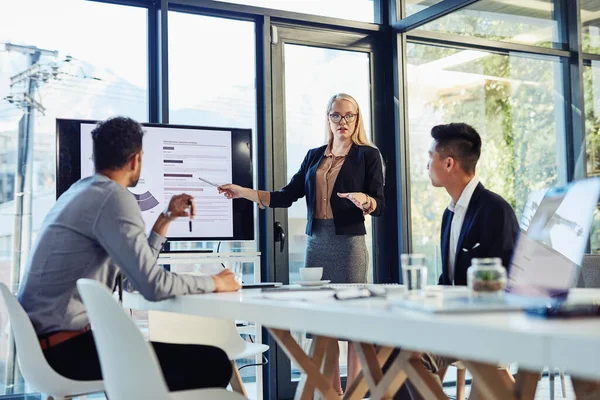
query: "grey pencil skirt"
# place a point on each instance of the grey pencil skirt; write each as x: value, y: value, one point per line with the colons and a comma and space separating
x: 344, y: 258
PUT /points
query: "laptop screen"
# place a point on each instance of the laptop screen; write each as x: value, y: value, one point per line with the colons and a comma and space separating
x: 554, y: 239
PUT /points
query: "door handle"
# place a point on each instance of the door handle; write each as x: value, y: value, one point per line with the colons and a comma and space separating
x: 280, y: 236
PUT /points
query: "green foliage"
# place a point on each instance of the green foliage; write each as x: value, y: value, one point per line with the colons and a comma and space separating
x: 513, y: 103
x: 509, y: 24
x: 592, y: 145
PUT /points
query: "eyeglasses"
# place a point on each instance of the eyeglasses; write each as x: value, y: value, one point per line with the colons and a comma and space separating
x: 337, y: 117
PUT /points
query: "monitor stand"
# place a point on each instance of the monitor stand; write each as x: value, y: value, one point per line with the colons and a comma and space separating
x: 167, y: 250
x: 195, y: 251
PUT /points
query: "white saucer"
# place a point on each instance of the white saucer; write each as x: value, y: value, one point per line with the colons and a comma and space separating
x: 312, y: 283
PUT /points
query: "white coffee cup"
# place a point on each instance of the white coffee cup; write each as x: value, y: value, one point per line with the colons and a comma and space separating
x: 311, y: 274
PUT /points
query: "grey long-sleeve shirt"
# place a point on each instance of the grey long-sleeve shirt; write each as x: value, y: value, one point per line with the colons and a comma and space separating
x: 94, y: 229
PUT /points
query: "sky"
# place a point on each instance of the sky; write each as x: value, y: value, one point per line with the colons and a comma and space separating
x: 104, y: 35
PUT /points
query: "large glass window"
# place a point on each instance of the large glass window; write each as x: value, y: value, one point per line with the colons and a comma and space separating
x: 514, y: 102
x: 358, y: 10
x: 515, y: 21
x: 591, y: 85
x: 312, y: 76
x: 98, y: 70
x: 590, y: 29
x: 212, y: 83
x: 414, y: 6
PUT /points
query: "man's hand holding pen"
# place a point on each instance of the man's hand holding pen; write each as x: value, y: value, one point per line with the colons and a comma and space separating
x: 181, y: 205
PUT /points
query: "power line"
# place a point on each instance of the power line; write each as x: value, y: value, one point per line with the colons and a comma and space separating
x: 37, y: 74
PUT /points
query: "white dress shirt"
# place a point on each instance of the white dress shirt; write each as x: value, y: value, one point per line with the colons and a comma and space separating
x: 459, y: 209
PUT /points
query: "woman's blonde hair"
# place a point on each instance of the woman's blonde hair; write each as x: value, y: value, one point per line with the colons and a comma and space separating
x: 359, y: 136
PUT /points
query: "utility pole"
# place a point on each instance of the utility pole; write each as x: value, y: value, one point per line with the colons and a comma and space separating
x: 30, y: 78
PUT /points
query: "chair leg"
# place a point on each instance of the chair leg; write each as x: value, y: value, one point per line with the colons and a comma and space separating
x: 460, y: 383
x: 551, y: 381
x: 563, y: 385
x: 236, y: 380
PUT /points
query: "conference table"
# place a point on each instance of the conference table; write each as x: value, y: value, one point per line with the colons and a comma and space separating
x: 376, y: 326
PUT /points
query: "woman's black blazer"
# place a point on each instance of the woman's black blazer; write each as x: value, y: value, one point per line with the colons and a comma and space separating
x: 362, y: 171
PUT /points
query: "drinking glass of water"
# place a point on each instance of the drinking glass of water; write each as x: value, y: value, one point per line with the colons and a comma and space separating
x: 414, y: 272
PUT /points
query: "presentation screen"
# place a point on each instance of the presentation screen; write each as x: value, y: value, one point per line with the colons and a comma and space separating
x: 176, y: 159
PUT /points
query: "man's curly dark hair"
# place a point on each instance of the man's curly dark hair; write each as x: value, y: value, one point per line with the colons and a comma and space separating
x: 115, y: 141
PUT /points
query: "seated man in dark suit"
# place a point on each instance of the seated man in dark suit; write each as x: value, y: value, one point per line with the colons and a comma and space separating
x: 477, y: 223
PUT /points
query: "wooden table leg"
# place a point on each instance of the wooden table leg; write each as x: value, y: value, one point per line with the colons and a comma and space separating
x: 475, y: 393
x: 318, y: 348
x: 384, y: 386
x: 391, y: 381
x: 526, y: 384
x: 422, y: 379
x: 331, y: 358
x: 310, y: 365
x: 493, y: 383
x: 360, y: 387
x: 585, y: 389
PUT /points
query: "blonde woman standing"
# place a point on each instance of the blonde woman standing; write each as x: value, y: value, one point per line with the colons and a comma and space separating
x: 342, y: 182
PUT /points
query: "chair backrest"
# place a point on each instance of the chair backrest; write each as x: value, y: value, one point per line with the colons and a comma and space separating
x: 129, y: 365
x: 34, y: 367
x: 171, y: 327
x: 589, y: 274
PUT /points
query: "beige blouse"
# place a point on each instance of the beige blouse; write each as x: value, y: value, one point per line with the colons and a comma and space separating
x: 327, y: 173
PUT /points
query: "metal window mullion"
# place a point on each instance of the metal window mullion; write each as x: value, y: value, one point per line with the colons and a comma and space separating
x: 153, y: 64
x: 474, y: 43
x: 574, y: 92
x: 429, y: 14
x: 163, y: 54
x: 403, y: 166
x: 294, y: 17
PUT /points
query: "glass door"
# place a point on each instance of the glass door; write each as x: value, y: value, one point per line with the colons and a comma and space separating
x: 308, y: 69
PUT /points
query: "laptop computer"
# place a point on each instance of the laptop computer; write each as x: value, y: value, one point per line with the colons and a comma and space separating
x: 546, y: 260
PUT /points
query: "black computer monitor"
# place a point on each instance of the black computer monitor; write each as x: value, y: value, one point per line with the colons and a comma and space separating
x: 175, y: 158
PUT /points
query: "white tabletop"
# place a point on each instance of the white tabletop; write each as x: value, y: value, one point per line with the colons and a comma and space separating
x: 500, y: 337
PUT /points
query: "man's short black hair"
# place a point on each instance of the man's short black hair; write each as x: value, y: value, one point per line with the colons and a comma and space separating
x: 459, y: 141
x: 115, y: 141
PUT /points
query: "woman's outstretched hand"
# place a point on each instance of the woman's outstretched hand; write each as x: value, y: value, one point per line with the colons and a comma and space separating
x: 232, y: 191
x: 359, y: 199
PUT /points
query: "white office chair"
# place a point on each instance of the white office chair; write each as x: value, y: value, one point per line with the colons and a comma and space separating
x: 190, y: 329
x: 34, y: 367
x: 129, y: 365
